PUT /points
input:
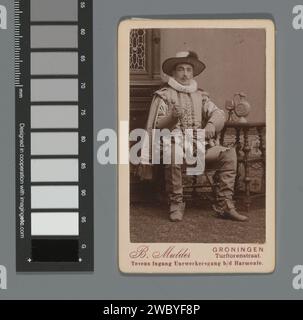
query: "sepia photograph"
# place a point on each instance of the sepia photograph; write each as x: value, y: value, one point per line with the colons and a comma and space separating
x: 201, y: 134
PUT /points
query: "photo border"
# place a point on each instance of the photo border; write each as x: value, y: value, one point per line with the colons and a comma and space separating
x: 125, y: 246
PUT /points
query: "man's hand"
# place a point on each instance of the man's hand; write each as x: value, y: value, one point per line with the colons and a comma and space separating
x: 210, y: 131
x: 178, y: 111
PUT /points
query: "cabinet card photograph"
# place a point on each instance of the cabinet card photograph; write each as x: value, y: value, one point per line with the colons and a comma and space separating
x: 196, y: 120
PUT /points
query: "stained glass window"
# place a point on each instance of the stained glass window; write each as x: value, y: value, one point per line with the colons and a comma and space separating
x: 138, y: 50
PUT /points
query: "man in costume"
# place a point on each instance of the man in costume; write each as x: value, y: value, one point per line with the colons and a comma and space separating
x: 181, y: 105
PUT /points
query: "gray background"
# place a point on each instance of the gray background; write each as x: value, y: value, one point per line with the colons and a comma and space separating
x: 106, y: 282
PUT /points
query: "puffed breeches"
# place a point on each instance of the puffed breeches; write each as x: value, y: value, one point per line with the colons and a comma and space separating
x: 223, y: 160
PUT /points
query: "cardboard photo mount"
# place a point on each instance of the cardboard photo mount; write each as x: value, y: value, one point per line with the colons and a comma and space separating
x: 196, y: 257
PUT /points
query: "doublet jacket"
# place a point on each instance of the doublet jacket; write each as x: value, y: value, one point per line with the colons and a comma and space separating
x: 199, y: 111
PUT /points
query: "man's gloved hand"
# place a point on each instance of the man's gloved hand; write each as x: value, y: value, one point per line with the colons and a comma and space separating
x: 178, y: 111
x: 210, y: 131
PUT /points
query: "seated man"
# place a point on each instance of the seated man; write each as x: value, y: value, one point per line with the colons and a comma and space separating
x: 181, y: 105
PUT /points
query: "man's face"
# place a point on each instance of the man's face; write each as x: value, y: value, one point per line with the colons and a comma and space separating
x: 183, y: 73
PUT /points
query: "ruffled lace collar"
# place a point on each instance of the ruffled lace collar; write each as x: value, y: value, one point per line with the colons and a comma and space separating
x: 192, y: 87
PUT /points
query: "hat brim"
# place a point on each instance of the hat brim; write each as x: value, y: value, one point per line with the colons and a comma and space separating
x: 169, y: 65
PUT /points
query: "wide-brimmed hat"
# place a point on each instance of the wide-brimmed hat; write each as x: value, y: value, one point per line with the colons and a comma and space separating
x: 189, y: 57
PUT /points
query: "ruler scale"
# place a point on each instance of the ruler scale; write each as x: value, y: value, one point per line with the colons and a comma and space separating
x: 54, y: 135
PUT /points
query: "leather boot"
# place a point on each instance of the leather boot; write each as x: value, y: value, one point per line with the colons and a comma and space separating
x: 226, y: 209
x: 176, y: 211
